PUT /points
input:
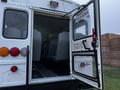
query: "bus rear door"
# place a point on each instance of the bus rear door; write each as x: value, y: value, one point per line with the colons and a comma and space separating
x: 85, y: 45
x: 15, y: 34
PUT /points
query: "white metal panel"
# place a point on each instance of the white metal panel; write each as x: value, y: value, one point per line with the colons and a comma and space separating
x: 78, y: 45
x: 10, y: 43
x: 6, y: 77
x: 87, y: 68
x: 64, y: 6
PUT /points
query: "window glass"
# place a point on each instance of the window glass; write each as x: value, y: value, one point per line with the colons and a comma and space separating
x: 15, y: 24
x: 80, y: 29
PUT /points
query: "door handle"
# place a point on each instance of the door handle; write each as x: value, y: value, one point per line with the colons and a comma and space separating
x: 27, y: 67
x: 84, y: 44
x: 93, y: 38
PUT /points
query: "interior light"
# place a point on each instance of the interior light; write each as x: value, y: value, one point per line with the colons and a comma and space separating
x: 54, y: 4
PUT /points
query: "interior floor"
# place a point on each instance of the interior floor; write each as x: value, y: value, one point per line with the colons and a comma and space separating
x: 51, y: 70
x: 50, y: 47
x: 42, y: 71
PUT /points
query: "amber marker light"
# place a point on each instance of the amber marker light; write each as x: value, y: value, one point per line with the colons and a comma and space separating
x: 4, y: 51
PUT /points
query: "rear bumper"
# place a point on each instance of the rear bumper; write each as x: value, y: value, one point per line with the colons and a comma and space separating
x: 64, y: 85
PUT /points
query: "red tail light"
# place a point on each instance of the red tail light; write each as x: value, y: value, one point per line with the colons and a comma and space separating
x: 14, y: 51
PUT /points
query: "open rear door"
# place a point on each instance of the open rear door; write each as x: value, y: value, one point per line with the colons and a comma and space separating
x: 85, y: 45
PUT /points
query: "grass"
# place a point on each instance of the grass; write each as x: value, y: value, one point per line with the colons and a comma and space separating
x: 111, y: 78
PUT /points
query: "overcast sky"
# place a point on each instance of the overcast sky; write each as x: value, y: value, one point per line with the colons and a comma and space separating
x: 110, y: 15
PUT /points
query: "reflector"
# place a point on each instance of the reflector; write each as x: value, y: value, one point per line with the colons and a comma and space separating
x: 4, y: 51
x: 14, y: 69
x: 23, y: 51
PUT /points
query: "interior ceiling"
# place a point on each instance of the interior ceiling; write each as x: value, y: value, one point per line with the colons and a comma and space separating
x: 51, y: 22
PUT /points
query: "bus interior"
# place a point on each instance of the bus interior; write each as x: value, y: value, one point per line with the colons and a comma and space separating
x: 50, y: 46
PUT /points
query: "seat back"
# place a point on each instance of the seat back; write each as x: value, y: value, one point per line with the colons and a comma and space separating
x: 14, y: 32
x: 52, y: 48
x: 37, y: 45
x: 62, y: 52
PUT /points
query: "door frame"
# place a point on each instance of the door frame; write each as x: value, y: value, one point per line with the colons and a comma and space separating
x: 49, y: 79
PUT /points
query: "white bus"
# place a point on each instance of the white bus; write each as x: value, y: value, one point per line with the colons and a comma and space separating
x: 50, y: 45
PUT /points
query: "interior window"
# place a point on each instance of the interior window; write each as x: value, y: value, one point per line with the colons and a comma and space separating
x: 80, y: 29
x: 15, y: 24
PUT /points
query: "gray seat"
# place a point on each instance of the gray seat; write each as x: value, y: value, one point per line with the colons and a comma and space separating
x: 12, y: 32
x: 37, y: 44
x: 62, y: 52
x: 52, y: 48
x: 59, y: 48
